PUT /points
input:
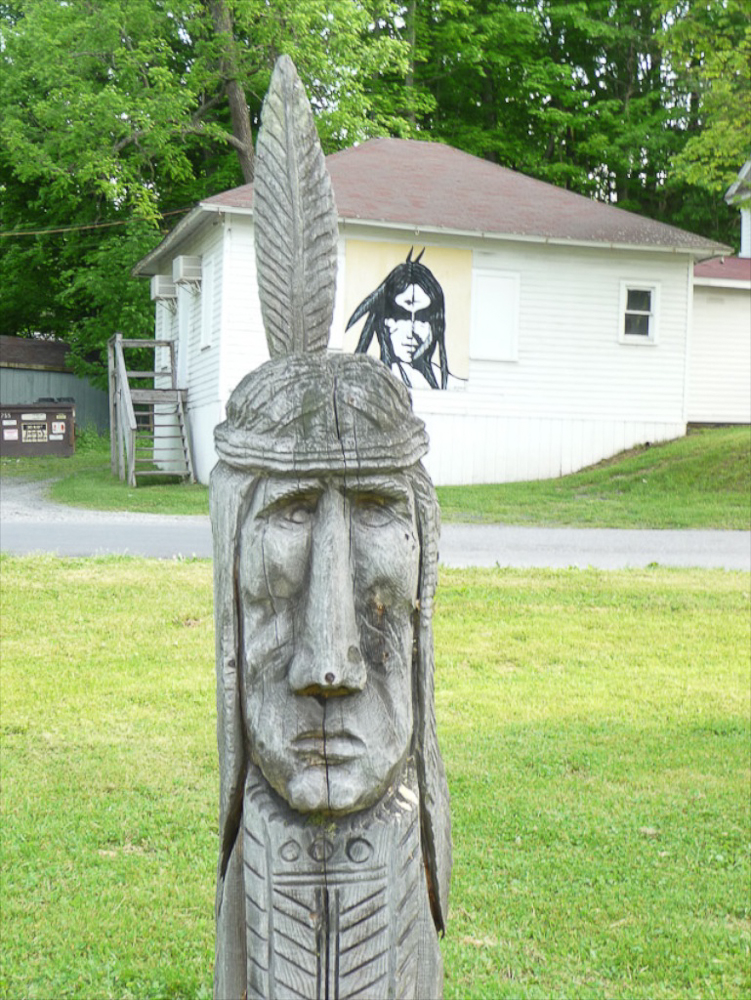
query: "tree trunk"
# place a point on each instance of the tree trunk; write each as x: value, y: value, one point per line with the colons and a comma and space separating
x: 238, y: 106
x: 241, y: 129
x: 409, y: 18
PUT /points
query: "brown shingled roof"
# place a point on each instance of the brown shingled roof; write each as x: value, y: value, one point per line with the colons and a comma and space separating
x: 428, y: 185
x: 23, y: 352
x: 725, y: 268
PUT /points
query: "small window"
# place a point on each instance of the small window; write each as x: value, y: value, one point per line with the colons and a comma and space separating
x: 639, y: 308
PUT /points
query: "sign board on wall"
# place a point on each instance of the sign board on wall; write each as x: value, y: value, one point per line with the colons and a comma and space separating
x: 37, y: 430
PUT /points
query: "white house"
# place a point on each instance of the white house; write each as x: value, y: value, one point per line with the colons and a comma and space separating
x: 720, y: 349
x: 720, y: 352
x: 566, y: 320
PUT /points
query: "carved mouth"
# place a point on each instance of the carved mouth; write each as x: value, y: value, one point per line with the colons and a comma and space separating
x: 332, y: 748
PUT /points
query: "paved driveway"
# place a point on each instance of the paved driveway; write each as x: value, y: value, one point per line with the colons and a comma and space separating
x: 31, y: 523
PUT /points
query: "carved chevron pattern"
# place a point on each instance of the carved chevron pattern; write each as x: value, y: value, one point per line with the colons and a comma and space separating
x: 334, y: 915
x: 296, y: 229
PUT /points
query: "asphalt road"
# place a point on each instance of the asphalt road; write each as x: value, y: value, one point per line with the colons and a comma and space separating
x: 30, y: 523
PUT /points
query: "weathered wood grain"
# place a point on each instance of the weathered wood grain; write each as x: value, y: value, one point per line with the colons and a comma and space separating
x: 333, y: 911
x: 296, y: 227
x: 335, y: 855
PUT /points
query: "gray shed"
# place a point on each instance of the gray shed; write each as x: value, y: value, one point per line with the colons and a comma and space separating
x: 32, y: 370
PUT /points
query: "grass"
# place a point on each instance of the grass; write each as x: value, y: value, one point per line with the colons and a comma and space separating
x: 92, y: 453
x: 98, y: 489
x: 595, y: 729
x: 700, y: 481
x: 85, y: 480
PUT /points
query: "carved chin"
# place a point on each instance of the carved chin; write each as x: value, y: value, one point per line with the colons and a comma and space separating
x: 345, y: 789
x: 307, y: 792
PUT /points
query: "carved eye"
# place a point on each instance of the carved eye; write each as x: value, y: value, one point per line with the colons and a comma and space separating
x: 374, y: 512
x: 294, y: 510
x: 300, y: 512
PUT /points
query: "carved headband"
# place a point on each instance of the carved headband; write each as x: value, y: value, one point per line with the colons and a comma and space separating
x: 311, y: 414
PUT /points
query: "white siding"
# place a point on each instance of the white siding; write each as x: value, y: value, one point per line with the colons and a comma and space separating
x: 234, y: 342
x: 243, y: 338
x: 570, y: 362
x: 199, y: 355
x: 497, y: 449
x: 339, y: 320
x: 720, y: 362
x: 575, y: 393
x: 203, y: 420
x: 205, y: 302
x: 570, y: 393
x: 194, y: 324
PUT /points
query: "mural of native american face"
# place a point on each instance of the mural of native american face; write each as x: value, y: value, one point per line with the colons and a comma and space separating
x: 407, y: 315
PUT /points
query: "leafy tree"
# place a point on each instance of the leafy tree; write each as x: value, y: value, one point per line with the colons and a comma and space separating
x: 118, y: 113
x: 591, y: 95
x: 709, y: 45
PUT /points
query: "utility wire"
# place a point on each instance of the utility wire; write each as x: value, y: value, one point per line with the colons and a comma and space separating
x: 74, y: 229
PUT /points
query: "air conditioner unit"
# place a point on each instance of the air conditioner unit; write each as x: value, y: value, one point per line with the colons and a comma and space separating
x: 162, y: 287
x: 186, y: 269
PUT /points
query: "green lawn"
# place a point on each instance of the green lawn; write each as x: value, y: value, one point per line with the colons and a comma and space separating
x: 92, y: 453
x: 700, y: 481
x: 85, y: 480
x: 595, y: 729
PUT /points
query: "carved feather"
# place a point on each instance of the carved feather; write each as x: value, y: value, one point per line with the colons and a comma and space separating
x: 295, y: 216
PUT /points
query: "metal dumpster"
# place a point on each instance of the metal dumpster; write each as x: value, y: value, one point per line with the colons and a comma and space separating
x: 41, y: 428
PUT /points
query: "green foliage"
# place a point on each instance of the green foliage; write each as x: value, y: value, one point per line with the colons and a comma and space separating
x: 595, y: 732
x: 700, y: 481
x: 710, y: 50
x: 591, y: 95
x: 116, y: 117
x: 90, y: 441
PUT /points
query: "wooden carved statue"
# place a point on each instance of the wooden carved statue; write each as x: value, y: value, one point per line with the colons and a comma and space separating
x: 335, y: 854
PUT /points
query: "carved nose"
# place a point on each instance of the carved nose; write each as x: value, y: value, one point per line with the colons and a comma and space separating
x: 328, y: 660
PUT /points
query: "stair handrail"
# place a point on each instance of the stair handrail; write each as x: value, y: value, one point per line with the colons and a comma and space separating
x: 123, y: 422
x: 128, y: 432
x: 154, y: 345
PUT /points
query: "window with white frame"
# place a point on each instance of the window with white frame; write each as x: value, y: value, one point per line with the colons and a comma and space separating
x: 639, y: 312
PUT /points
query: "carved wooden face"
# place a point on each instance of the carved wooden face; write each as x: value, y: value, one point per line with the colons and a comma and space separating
x: 328, y: 581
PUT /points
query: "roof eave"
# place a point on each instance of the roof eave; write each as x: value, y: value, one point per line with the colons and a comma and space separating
x: 723, y: 282
x: 149, y: 264
x: 706, y: 251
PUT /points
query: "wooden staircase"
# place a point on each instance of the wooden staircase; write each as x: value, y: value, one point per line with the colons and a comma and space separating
x: 148, y: 430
